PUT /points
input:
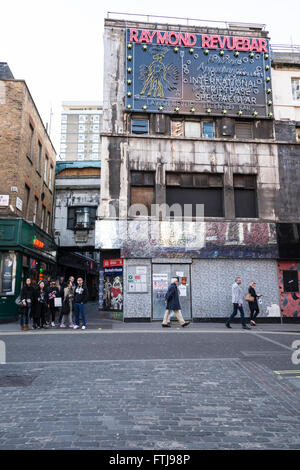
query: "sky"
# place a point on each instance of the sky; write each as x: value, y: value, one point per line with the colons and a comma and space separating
x: 56, y: 46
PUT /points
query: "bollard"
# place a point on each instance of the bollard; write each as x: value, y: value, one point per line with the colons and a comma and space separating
x: 2, y: 353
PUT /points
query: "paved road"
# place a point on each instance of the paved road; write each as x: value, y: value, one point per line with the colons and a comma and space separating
x: 143, y: 387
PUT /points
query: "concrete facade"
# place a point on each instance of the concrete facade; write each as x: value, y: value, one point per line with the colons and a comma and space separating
x: 227, y: 246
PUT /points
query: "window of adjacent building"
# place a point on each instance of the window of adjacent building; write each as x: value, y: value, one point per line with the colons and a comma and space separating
x: 80, y: 156
x: 51, y: 177
x: 95, y: 127
x: 296, y: 89
x: 245, y: 197
x: 81, y: 127
x: 64, y: 117
x: 27, y: 196
x: 95, y: 138
x: 96, y: 118
x: 35, y: 209
x: 290, y: 281
x: 298, y: 134
x: 31, y: 142
x: 82, y: 117
x: 80, y: 218
x: 63, y: 138
x: 64, y: 128
x: 48, y: 222
x: 46, y: 169
x: 81, y: 138
x: 143, y: 189
x: 43, y: 218
x: 94, y: 156
x: 243, y: 130
x: 39, y: 167
x: 196, y: 188
x: 140, y: 126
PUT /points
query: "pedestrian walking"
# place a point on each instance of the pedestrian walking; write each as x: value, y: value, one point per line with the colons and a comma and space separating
x: 40, y: 306
x: 68, y: 305
x: 251, y: 298
x: 237, y: 300
x: 80, y: 299
x: 173, y: 304
x: 27, y: 299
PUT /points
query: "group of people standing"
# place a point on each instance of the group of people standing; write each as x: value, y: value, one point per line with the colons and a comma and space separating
x: 50, y: 299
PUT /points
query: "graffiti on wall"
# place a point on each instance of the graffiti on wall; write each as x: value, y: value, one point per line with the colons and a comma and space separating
x: 147, y: 239
x: 289, y: 301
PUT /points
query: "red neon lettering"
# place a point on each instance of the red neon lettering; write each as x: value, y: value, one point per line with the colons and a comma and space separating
x: 228, y: 46
x: 205, y: 40
x: 238, y: 44
x: 262, y: 45
x: 246, y: 44
x: 162, y: 40
x: 134, y: 35
x: 192, y: 39
x: 254, y: 46
x: 183, y: 39
x: 221, y: 42
x: 144, y: 37
x: 214, y: 42
x: 173, y: 43
x: 151, y: 36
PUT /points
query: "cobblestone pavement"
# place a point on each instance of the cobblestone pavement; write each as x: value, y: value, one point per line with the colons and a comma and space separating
x: 147, y: 404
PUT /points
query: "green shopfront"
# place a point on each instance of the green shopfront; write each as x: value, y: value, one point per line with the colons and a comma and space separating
x: 25, y: 251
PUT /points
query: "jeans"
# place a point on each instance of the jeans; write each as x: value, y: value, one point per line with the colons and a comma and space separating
x: 79, y: 311
x: 235, y: 310
x: 25, y: 312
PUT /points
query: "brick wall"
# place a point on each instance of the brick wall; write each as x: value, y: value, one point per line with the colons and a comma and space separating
x: 19, y: 160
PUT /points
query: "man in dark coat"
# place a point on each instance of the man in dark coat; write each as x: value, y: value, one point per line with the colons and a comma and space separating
x: 172, y: 303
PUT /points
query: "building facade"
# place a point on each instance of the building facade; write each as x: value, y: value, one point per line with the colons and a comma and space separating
x: 189, y: 121
x: 286, y: 83
x: 27, y: 172
x: 80, y: 130
x: 77, y: 198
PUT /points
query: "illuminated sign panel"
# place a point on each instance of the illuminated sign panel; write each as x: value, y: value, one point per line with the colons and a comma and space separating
x: 186, y: 73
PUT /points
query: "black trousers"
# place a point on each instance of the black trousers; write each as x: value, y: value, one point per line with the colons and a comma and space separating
x: 254, y: 310
x: 40, y: 314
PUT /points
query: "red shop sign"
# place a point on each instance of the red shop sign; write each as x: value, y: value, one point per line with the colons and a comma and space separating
x: 108, y: 263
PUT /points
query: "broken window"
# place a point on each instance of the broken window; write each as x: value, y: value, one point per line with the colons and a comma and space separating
x: 143, y: 189
x: 290, y: 281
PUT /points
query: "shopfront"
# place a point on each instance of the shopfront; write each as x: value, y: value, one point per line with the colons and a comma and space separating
x: 25, y: 251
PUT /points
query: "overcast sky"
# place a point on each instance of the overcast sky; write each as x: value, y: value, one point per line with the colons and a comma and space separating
x: 56, y: 46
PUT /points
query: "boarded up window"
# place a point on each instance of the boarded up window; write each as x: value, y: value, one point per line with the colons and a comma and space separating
x: 140, y: 126
x: 245, y: 200
x: 290, y: 281
x: 196, y: 188
x: 192, y: 129
x: 177, y: 128
x: 143, y: 188
x: 243, y: 130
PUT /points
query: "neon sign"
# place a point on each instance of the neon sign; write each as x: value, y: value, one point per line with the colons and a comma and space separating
x: 38, y: 243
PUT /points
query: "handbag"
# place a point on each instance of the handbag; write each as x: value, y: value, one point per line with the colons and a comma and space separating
x: 57, y: 302
x: 249, y: 297
x: 18, y: 301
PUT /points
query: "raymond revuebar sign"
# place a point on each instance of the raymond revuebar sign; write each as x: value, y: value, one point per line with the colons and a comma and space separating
x: 186, y: 73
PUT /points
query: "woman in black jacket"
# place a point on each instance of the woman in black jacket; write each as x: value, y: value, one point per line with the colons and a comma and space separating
x: 27, y: 299
x: 40, y: 306
x: 253, y: 305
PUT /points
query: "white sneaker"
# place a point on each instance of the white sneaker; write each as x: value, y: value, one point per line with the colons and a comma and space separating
x: 83, y: 327
x: 52, y: 323
x: 75, y: 327
x: 62, y: 325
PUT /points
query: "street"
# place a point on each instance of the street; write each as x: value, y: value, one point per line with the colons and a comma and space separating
x: 138, y: 386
